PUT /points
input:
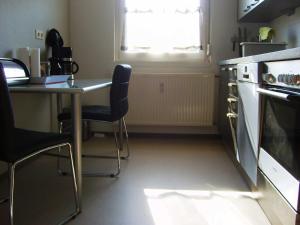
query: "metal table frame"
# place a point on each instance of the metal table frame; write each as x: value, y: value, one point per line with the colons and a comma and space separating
x: 75, y: 88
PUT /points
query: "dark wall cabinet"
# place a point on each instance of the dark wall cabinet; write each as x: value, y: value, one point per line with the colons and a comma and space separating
x: 263, y: 11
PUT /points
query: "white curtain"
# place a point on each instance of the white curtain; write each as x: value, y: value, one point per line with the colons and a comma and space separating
x: 164, y: 26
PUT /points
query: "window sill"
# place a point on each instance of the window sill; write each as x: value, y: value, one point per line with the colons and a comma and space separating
x: 162, y: 57
x: 188, y: 66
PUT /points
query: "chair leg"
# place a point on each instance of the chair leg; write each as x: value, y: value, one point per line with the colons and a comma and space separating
x: 75, y: 187
x: 58, y: 155
x: 118, y: 168
x: 60, y: 130
x: 118, y: 141
x: 97, y: 174
x: 12, y: 187
x: 5, y: 199
x: 121, y: 141
x: 11, y: 192
x: 127, y: 142
x: 118, y: 154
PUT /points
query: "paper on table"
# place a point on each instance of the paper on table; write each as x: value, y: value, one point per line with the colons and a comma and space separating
x: 49, y: 79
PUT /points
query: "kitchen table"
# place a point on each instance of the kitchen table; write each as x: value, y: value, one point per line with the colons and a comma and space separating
x: 75, y: 88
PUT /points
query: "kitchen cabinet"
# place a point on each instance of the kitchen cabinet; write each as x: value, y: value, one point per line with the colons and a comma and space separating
x: 246, y: 6
x: 227, y: 78
x: 262, y: 11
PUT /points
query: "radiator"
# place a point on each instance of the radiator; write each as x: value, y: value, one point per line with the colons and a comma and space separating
x: 171, y: 99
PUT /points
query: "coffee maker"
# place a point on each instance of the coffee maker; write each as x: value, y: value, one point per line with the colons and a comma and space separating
x: 61, y: 61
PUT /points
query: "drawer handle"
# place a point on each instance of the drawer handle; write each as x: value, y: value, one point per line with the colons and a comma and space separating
x: 232, y: 69
x: 232, y: 84
x: 228, y: 69
x: 232, y: 115
x: 230, y: 100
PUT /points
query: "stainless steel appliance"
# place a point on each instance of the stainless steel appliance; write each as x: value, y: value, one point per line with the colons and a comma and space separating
x: 14, y: 70
x: 279, y: 158
x: 248, y: 118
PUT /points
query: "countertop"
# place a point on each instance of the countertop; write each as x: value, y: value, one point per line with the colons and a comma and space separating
x: 293, y: 53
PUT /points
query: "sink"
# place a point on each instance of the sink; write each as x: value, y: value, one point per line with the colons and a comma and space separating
x: 255, y: 48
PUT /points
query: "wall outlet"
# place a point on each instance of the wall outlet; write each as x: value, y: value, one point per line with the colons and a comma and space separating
x: 39, y: 34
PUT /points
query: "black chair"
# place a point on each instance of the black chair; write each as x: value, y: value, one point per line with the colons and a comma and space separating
x: 113, y: 113
x: 18, y: 145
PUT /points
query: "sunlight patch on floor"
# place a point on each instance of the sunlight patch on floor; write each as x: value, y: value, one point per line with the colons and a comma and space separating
x: 192, y: 207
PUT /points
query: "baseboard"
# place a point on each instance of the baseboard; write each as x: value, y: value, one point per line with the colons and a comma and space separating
x: 173, y: 130
x: 99, y: 128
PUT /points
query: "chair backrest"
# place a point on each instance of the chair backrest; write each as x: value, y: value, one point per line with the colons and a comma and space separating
x: 119, y: 91
x: 7, y: 123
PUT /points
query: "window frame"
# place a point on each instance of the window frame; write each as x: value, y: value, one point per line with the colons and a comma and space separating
x: 202, y: 57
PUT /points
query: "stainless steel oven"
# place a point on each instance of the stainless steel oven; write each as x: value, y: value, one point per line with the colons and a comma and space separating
x: 279, y: 156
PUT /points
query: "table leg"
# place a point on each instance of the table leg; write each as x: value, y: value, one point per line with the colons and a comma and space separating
x: 59, y: 109
x: 59, y: 103
x: 77, y: 143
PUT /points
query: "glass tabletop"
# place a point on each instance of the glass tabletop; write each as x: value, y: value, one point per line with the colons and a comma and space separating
x: 72, y: 86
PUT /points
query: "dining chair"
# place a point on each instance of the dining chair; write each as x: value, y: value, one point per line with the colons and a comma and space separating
x: 20, y: 145
x: 113, y: 113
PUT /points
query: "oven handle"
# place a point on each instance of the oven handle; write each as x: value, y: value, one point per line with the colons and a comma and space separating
x: 273, y: 93
x: 232, y: 116
x: 281, y: 94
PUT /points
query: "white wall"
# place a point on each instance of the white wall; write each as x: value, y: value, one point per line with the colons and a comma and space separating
x: 18, y: 20
x: 223, y: 26
x: 92, y: 33
x: 287, y: 29
x: 92, y: 38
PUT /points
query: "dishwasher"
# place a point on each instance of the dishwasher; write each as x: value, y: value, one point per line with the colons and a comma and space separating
x: 248, y: 80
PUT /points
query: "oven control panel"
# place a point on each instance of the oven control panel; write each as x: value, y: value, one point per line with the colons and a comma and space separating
x: 282, y: 73
x: 290, y: 79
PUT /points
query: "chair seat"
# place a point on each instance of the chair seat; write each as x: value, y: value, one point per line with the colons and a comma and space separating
x: 90, y: 112
x: 27, y: 142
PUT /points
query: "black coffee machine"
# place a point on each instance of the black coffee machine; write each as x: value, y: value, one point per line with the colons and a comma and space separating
x: 61, y: 62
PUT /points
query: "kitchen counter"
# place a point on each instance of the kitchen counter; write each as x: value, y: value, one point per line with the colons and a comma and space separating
x: 293, y: 53
x: 247, y: 118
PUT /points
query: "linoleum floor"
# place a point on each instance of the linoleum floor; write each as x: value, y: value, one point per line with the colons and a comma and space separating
x: 167, y: 181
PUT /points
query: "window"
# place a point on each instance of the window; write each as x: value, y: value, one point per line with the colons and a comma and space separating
x: 168, y: 29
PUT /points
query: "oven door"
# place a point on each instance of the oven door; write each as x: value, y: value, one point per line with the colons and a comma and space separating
x: 279, y: 157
